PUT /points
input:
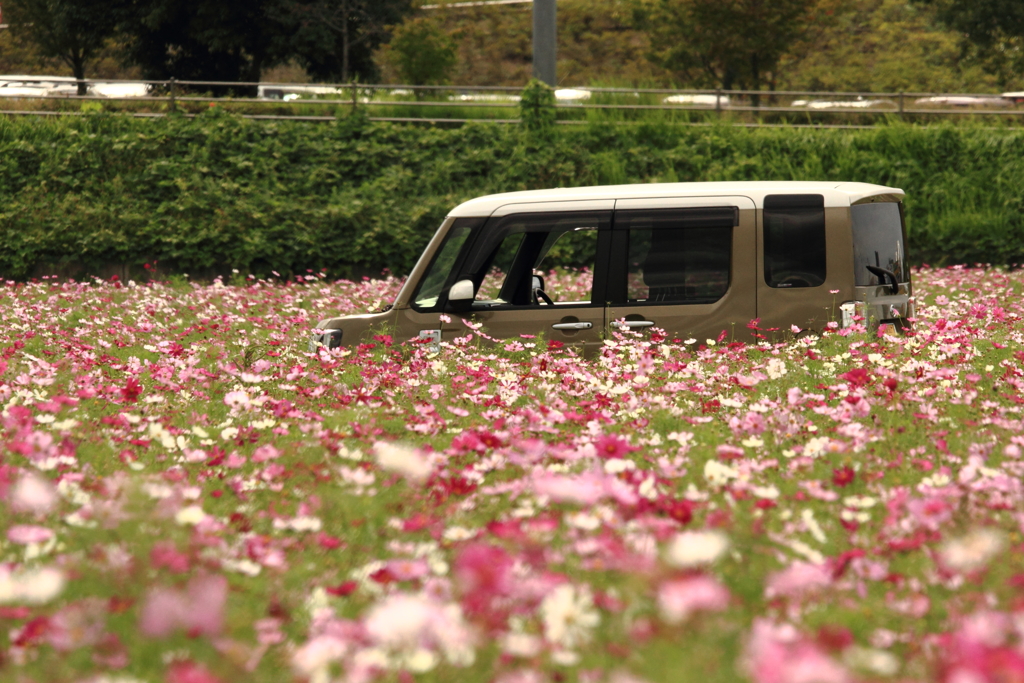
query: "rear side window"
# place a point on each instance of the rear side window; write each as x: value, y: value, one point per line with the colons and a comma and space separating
x: 878, y: 242
x: 680, y: 256
x: 794, y: 240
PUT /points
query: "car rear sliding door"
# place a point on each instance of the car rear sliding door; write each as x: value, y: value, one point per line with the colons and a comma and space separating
x: 684, y: 265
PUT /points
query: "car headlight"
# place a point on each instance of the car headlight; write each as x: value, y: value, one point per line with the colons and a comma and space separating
x: 329, y: 338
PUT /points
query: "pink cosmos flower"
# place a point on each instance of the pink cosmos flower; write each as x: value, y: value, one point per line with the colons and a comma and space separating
x: 318, y: 653
x: 797, y: 580
x: 584, y: 489
x: 678, y: 599
x: 610, y: 446
x: 778, y: 653
x: 33, y: 494
x: 80, y: 624
x: 27, y: 533
x: 165, y: 554
x: 408, y: 569
x: 190, y: 672
x: 265, y: 452
x: 199, y: 609
x: 407, y: 624
x: 483, y: 573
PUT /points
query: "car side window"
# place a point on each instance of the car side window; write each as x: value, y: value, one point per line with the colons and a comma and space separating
x: 501, y: 264
x: 678, y: 256
x: 794, y: 240
x: 432, y: 282
x: 566, y: 264
x: 555, y: 253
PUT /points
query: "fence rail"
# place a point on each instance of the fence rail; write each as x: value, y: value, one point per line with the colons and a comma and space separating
x: 54, y: 96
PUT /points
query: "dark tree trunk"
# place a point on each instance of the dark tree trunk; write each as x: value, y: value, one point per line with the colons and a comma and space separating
x: 78, y: 69
x: 344, y: 44
x: 755, y: 79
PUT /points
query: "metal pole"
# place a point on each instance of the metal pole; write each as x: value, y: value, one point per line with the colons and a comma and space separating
x: 545, y: 36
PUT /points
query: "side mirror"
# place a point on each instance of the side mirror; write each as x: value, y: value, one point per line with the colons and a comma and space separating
x: 461, y: 295
x: 537, y: 282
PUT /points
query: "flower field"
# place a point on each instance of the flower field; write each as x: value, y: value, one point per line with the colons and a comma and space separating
x: 188, y: 496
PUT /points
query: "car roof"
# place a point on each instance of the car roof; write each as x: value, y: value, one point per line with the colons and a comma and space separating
x: 836, y: 194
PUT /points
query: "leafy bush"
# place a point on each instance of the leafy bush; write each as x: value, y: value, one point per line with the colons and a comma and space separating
x: 216, y: 193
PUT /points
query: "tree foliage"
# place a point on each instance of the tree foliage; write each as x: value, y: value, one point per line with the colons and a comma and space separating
x: 335, y: 39
x: 994, y: 28
x: 73, y: 31
x: 221, y: 40
x: 723, y: 43
x: 422, y: 53
x: 881, y: 46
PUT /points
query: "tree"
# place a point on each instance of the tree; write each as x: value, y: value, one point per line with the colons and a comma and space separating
x: 423, y: 54
x: 73, y: 31
x: 880, y: 46
x: 335, y: 39
x: 723, y: 43
x: 994, y: 28
x: 207, y: 40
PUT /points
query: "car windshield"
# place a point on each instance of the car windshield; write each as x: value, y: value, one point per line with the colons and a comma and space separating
x: 434, y: 279
x: 878, y: 241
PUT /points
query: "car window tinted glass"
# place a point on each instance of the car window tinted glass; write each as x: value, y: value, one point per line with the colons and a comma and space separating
x: 794, y: 240
x: 434, y: 279
x: 678, y: 256
x: 878, y: 241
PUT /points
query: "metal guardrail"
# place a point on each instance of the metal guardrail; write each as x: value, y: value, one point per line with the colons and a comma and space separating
x: 52, y: 96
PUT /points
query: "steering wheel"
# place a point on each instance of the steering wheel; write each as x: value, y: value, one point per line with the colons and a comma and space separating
x: 796, y: 280
x: 540, y: 295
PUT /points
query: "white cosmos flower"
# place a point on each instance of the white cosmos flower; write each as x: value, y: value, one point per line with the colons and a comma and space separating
x: 569, y: 615
x: 718, y: 473
x: 34, y: 586
x: 696, y: 548
x: 408, y: 462
x: 973, y: 551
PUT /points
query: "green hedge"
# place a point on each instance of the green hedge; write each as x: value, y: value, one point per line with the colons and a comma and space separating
x: 215, y: 193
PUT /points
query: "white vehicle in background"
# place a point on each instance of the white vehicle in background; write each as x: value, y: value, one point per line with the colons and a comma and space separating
x: 964, y: 101
x: 290, y: 93
x: 859, y: 103
x: 38, y: 86
x: 118, y: 89
x: 67, y: 86
x: 699, y: 100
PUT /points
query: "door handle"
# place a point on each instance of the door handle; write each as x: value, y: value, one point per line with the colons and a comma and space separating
x: 630, y: 324
x: 572, y: 326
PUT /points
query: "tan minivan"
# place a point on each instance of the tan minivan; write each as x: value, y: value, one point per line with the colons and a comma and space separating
x: 692, y: 259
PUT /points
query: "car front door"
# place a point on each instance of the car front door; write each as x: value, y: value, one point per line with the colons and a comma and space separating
x: 687, y: 266
x: 539, y: 272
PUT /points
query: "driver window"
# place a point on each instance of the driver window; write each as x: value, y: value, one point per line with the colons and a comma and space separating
x: 501, y: 264
x: 566, y: 268
x: 537, y: 260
